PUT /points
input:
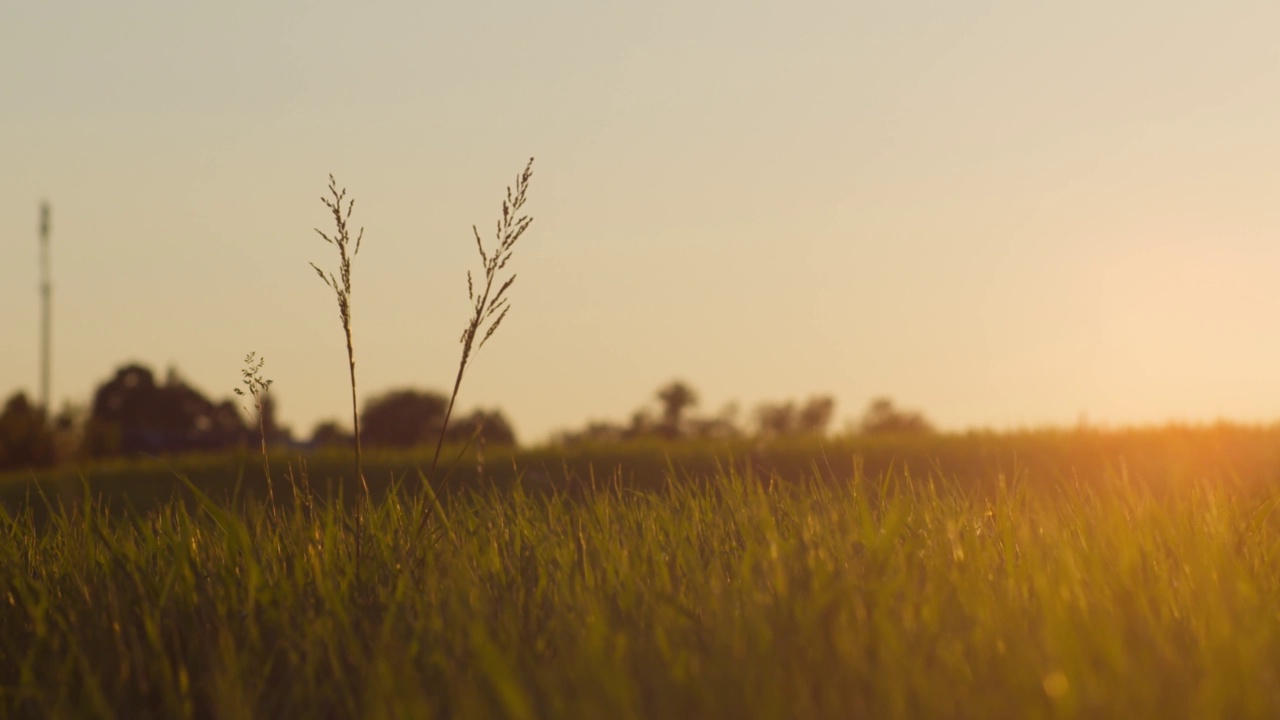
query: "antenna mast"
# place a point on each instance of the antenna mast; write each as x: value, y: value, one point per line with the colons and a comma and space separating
x: 46, y: 293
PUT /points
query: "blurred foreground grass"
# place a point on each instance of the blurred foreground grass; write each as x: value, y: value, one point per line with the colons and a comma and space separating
x: 1137, y: 584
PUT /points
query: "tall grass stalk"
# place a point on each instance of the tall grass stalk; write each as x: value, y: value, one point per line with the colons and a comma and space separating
x: 341, y: 286
x: 489, y: 306
x: 257, y: 388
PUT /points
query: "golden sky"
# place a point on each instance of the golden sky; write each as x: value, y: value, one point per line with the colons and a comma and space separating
x: 1001, y: 213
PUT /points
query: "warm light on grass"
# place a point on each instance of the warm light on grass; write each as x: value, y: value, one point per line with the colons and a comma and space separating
x: 732, y: 598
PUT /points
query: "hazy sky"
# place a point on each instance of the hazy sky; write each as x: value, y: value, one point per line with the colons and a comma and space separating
x: 1000, y: 213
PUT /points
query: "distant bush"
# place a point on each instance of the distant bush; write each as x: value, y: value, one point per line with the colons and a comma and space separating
x: 883, y: 418
x: 132, y: 413
x: 25, y: 438
x: 788, y: 418
x: 330, y: 434
x: 410, y: 418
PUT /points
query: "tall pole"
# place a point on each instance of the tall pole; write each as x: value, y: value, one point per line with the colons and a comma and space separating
x: 46, y: 293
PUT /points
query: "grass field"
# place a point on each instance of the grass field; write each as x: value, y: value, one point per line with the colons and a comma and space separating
x: 1080, y: 574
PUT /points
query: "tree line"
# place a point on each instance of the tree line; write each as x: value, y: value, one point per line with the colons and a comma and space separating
x: 135, y: 413
x: 670, y: 416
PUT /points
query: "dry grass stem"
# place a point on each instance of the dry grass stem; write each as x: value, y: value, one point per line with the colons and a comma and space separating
x: 341, y: 286
x: 489, y: 306
x: 251, y: 378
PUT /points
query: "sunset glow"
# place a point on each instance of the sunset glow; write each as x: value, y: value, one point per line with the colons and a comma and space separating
x: 1002, y: 214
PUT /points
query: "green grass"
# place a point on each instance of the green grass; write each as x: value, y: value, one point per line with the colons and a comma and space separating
x: 714, y: 596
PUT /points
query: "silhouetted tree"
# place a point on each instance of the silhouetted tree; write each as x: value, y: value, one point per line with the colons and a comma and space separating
x: 775, y: 419
x: 276, y: 433
x: 882, y: 418
x: 723, y: 425
x: 786, y: 418
x: 25, y: 438
x: 815, y: 415
x: 408, y: 418
x: 330, y: 434
x: 675, y: 398
x: 402, y: 418
x: 132, y: 413
x: 641, y: 424
x: 68, y: 432
x: 493, y: 428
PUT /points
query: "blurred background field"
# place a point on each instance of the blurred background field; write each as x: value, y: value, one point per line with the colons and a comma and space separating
x: 1161, y: 458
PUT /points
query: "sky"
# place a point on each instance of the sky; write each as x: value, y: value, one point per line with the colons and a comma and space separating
x: 1003, y: 214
